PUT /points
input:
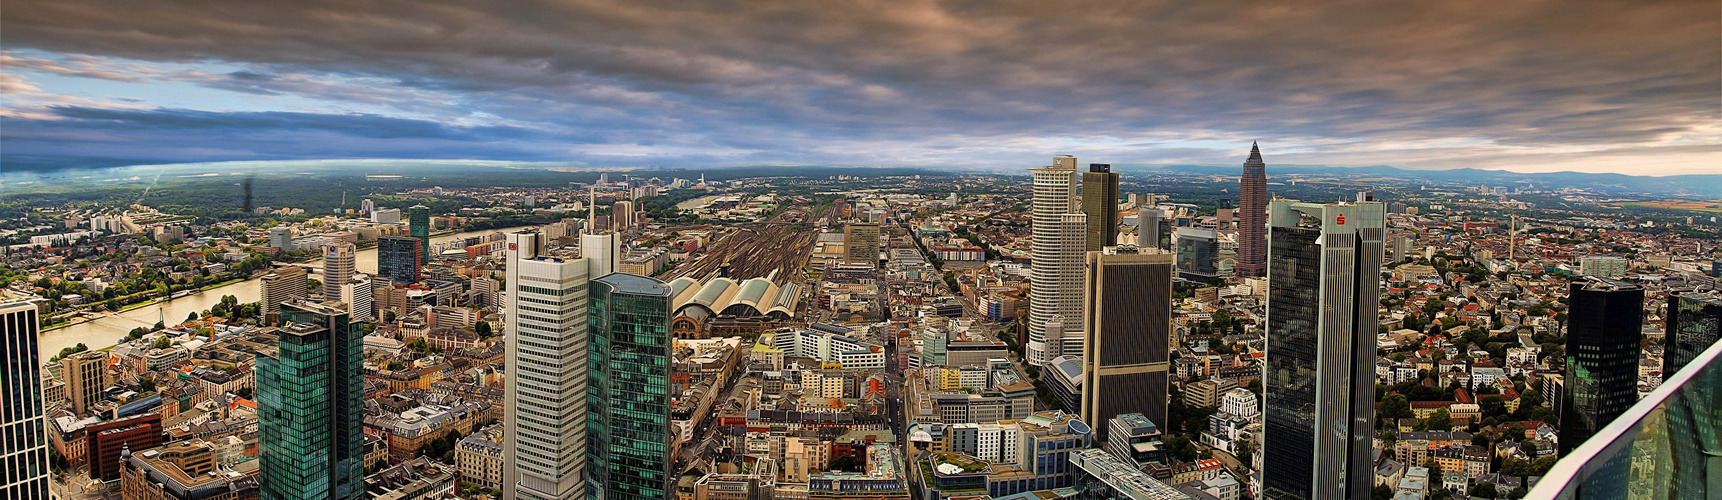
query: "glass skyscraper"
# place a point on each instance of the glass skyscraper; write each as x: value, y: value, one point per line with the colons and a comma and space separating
x: 419, y: 226
x: 310, y: 406
x: 1324, y: 281
x: 398, y: 259
x: 1694, y: 322
x: 1604, y: 338
x: 1100, y: 202
x: 629, y: 375
x: 25, y: 451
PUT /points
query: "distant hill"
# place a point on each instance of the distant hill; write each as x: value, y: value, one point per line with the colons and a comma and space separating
x: 1708, y: 186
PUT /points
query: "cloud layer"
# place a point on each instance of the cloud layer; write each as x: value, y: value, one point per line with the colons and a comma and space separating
x: 1532, y: 85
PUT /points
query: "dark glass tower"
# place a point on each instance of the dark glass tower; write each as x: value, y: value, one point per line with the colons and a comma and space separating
x: 310, y: 406
x: 1694, y: 322
x: 1604, y: 338
x: 25, y: 450
x: 1100, y: 202
x: 1127, y: 335
x: 398, y: 259
x: 1324, y: 282
x: 419, y: 226
x: 628, y: 374
x: 1196, y: 249
x: 1253, y: 216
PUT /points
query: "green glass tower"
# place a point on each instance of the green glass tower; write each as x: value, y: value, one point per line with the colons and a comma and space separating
x: 310, y: 402
x: 418, y: 226
x: 628, y: 374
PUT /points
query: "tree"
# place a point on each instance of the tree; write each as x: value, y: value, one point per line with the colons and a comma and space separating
x: 162, y: 342
x: 191, y: 317
x: 482, y: 328
x: 1441, y: 421
x: 1483, y: 490
x: 1394, y: 406
x: 1381, y: 492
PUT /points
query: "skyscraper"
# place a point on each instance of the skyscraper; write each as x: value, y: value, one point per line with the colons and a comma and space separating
x: 1127, y: 334
x: 1694, y: 322
x: 26, y: 452
x: 629, y: 369
x: 1148, y: 228
x: 338, y: 261
x: 398, y: 259
x: 1252, y: 216
x: 1059, y: 233
x: 603, y: 252
x: 419, y: 226
x: 1196, y: 250
x: 310, y: 406
x: 1100, y: 202
x: 281, y: 237
x: 622, y: 215
x: 1604, y: 338
x: 861, y: 243
x: 546, y: 394
x: 1324, y: 282
x: 283, y: 284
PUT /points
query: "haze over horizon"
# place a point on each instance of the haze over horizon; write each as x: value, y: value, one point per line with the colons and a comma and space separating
x: 1538, y: 86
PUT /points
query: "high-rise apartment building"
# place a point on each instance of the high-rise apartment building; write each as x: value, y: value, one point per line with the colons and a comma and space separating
x: 357, y: 294
x: 419, y: 226
x: 310, y: 406
x: 1694, y: 323
x: 1324, y: 282
x: 1100, y: 202
x: 1253, y: 216
x: 629, y: 368
x: 398, y: 259
x: 1606, y: 266
x: 1059, y: 235
x: 861, y: 243
x: 283, y: 284
x: 547, y: 325
x: 338, y: 261
x: 1127, y: 334
x: 83, y: 373
x: 26, y: 451
x: 1604, y: 338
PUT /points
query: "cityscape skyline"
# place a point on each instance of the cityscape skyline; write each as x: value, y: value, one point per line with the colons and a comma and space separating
x: 828, y: 337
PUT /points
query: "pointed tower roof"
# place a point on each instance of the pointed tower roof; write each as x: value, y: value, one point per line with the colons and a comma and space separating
x: 1255, y: 152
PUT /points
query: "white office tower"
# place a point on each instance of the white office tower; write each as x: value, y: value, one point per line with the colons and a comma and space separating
x: 356, y: 293
x: 547, y: 339
x: 603, y: 250
x: 338, y: 261
x: 25, y: 449
x: 281, y: 237
x: 1060, y: 233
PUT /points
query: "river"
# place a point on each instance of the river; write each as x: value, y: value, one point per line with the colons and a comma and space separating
x: 109, y: 329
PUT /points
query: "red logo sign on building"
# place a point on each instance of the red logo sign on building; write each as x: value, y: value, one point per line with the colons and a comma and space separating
x: 1340, y: 220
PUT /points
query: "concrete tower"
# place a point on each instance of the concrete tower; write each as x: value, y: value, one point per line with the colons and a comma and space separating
x: 1060, y: 234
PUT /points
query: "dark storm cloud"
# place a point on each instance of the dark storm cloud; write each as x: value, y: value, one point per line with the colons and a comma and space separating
x: 904, y: 81
x: 129, y: 137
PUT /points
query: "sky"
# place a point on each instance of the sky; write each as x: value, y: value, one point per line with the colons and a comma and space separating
x: 1528, y: 85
